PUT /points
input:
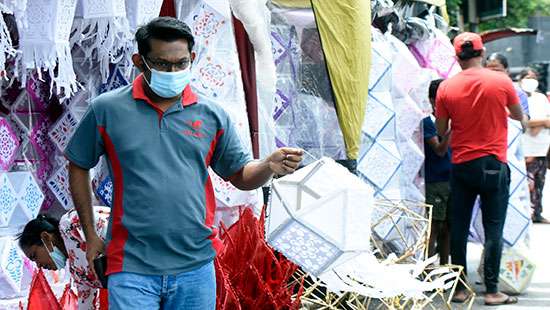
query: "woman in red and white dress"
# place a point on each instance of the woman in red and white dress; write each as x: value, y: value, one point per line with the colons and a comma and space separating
x: 51, y: 244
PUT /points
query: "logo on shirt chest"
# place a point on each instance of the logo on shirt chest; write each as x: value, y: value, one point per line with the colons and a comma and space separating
x: 194, y: 130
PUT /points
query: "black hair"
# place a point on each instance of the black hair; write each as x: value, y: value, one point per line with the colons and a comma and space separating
x: 31, y: 233
x: 434, y: 86
x: 163, y: 28
x: 468, y: 51
x: 500, y: 58
x: 526, y: 71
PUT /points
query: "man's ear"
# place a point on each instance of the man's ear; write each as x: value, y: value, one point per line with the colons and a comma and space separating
x: 138, y: 62
x: 193, y: 56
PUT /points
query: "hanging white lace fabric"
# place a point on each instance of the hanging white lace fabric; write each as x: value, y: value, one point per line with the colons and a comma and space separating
x: 140, y: 12
x: 101, y: 29
x: 44, y: 33
x: 15, y: 7
x: 6, y: 46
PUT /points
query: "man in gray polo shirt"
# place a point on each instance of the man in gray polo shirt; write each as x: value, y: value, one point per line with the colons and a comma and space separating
x: 160, y: 141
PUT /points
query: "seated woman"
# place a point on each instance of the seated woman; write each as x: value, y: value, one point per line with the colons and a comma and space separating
x: 51, y: 243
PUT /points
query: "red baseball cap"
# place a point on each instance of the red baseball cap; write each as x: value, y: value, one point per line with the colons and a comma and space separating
x: 464, y: 37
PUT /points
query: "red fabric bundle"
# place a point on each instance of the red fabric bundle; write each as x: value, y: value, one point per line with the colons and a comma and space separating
x: 69, y: 300
x: 249, y: 274
x: 41, y: 296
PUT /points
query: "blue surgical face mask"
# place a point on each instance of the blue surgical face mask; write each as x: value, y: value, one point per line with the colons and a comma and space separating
x: 59, y: 259
x: 168, y: 84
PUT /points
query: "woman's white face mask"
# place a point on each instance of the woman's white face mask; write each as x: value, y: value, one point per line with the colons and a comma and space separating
x: 529, y: 85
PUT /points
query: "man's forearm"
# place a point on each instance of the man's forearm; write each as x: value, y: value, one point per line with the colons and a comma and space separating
x: 442, y: 127
x: 443, y: 146
x: 253, y: 175
x: 79, y: 182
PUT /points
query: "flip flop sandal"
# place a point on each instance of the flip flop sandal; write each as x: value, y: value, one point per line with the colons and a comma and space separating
x: 509, y: 301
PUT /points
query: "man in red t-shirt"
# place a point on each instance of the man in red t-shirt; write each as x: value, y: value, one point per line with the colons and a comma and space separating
x: 476, y: 104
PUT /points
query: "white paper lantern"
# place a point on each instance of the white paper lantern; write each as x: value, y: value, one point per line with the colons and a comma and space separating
x: 29, y: 193
x: 516, y: 271
x: 437, y: 53
x: 319, y: 217
x: 44, y: 42
x: 140, y: 12
x: 103, y: 32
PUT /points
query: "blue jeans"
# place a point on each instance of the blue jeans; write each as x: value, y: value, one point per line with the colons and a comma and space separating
x: 193, y: 290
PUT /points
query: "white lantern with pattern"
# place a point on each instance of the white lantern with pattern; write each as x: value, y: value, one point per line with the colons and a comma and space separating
x: 319, y: 217
x: 44, y: 43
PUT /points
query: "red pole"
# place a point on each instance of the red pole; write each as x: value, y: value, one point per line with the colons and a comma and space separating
x: 245, y: 51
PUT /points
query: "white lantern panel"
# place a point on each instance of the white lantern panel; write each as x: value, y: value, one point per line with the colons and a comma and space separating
x: 11, y: 268
x: 380, y: 163
x: 378, y: 114
x: 305, y: 247
x: 9, y: 145
x: 8, y: 200
x: 28, y: 191
x: 58, y: 183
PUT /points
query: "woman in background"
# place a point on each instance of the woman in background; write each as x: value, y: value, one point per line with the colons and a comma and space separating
x: 51, y: 244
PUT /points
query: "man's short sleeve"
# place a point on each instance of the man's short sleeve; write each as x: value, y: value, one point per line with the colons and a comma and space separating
x: 86, y: 146
x: 229, y: 155
x: 440, y: 104
x: 429, y: 128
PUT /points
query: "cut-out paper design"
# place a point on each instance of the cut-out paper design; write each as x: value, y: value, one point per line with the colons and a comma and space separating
x: 63, y: 130
x: 9, y: 144
x: 105, y: 191
x: 380, y: 163
x: 58, y: 183
x: 11, y: 268
x: 8, y: 200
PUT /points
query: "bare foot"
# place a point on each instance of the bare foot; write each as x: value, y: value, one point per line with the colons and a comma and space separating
x: 460, y: 296
x: 499, y: 298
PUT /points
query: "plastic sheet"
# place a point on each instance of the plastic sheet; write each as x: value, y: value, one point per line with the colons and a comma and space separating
x: 436, y: 53
x: 304, y: 110
x: 347, y: 56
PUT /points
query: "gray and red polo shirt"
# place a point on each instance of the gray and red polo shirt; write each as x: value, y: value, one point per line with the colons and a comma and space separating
x: 163, y: 202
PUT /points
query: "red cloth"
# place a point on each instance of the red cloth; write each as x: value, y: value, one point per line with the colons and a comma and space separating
x: 245, y: 50
x: 103, y: 299
x: 69, y: 300
x: 476, y: 101
x: 168, y: 8
x: 258, y: 280
x: 41, y: 296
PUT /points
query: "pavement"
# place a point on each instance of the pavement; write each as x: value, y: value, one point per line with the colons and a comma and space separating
x: 537, y: 295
